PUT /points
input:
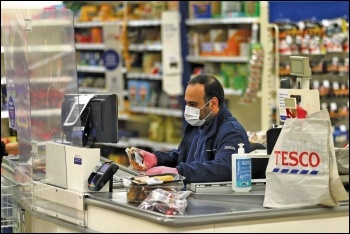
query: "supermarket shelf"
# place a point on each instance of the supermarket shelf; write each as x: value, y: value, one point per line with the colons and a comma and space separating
x: 94, y: 69
x: 139, y: 142
x: 96, y: 24
x: 51, y: 48
x: 45, y: 112
x: 232, y: 59
x: 36, y: 80
x: 157, y: 111
x: 232, y: 92
x: 135, y: 75
x: 139, y: 23
x: 142, y: 47
x: 132, y: 23
x: 43, y: 48
x: 36, y: 113
x: 237, y: 20
x: 123, y: 116
x: 133, y: 47
x: 51, y: 22
x: 315, y: 55
x: 92, y: 90
x: 89, y: 46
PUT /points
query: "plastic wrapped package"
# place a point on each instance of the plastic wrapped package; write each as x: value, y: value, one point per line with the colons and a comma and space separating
x: 136, y: 193
x: 166, y: 202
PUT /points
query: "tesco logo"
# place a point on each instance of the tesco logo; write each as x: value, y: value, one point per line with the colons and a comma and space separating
x: 294, y: 158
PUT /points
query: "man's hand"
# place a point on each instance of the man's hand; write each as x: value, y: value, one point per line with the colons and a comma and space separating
x: 149, y: 159
x: 161, y: 170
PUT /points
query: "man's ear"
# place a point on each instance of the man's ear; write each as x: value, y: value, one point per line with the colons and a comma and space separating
x: 215, y: 102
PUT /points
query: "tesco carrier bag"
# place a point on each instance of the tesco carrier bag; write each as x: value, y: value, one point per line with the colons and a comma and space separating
x: 302, y: 168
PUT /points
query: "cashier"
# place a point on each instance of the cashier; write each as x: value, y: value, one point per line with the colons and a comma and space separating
x: 210, y: 138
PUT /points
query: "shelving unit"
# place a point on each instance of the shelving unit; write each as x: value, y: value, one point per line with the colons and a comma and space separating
x: 258, y: 115
x: 330, y: 75
x: 127, y: 120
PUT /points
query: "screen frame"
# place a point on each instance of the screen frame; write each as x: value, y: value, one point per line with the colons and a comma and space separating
x: 305, y: 66
x: 99, y: 120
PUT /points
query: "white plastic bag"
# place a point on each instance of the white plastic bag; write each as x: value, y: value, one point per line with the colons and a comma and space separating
x: 302, y: 169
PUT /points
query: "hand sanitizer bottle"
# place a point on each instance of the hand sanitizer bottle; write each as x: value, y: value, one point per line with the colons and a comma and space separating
x: 241, y: 171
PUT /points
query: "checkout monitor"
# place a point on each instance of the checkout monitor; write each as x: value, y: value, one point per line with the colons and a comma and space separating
x: 299, y: 66
x: 98, y: 119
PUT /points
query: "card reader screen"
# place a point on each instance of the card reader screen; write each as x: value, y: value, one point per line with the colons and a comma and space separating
x: 104, y: 168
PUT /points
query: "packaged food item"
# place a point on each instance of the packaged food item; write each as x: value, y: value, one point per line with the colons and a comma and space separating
x: 166, y: 202
x: 137, y: 188
x: 135, y: 159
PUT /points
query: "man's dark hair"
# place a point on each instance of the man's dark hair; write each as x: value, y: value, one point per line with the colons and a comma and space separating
x: 212, y: 87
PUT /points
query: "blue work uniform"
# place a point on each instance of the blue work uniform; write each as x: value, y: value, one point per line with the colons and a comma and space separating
x: 204, y: 153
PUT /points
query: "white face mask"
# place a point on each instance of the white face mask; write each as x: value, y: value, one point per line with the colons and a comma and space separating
x: 191, y: 115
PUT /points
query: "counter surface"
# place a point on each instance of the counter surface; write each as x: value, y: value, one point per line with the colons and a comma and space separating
x: 209, y: 208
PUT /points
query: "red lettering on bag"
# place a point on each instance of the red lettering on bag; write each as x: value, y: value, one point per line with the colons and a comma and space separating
x: 284, y: 158
x: 317, y: 158
x: 277, y: 152
x: 301, y: 159
x: 293, y: 159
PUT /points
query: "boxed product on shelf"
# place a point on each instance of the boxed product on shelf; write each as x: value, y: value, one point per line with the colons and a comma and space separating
x: 239, y: 80
x: 87, y: 12
x: 252, y: 8
x: 235, y: 75
x: 218, y: 37
x: 173, y: 129
x: 133, y: 93
x: 200, y: 10
x: 231, y: 9
x: 145, y: 91
x: 222, y: 79
x: 139, y: 93
x: 235, y: 38
x: 157, y: 7
x: 156, y: 128
x: 100, y: 83
x: 149, y: 60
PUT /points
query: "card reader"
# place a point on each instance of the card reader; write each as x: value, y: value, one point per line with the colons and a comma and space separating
x: 104, y: 174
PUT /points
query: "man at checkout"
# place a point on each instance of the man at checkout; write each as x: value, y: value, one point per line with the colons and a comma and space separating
x: 210, y: 138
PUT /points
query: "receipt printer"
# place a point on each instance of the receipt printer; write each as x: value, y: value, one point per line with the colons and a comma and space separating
x: 104, y: 174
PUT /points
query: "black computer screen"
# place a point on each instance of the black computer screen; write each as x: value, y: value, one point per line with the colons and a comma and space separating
x: 98, y: 122
x: 104, y: 118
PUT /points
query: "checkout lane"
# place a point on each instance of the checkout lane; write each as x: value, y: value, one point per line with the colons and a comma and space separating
x: 205, y: 211
x: 212, y: 212
x: 208, y: 209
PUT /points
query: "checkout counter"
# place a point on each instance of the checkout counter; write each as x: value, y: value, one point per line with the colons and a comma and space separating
x: 62, y: 210
x: 41, y: 206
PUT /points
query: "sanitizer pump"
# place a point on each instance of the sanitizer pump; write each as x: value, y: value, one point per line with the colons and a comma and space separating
x: 241, y: 171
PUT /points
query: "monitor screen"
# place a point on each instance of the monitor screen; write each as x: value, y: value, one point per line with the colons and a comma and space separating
x: 98, y: 119
x: 296, y: 66
x: 299, y: 66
